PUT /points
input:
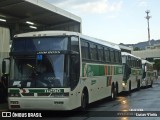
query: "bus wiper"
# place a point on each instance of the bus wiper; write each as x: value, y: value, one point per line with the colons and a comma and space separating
x: 33, y: 68
x: 30, y: 66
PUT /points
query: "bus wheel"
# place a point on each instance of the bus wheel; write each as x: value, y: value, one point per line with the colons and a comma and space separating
x: 83, y: 101
x: 113, y: 92
x: 151, y: 84
x: 117, y: 89
x: 138, y: 85
x: 129, y: 91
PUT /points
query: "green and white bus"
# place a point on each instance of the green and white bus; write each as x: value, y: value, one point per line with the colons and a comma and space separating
x: 61, y: 70
x: 132, y: 72
x: 148, y: 74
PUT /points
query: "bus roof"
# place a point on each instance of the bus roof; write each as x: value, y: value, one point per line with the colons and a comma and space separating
x: 67, y: 33
x: 102, y: 42
x: 128, y: 54
x: 46, y: 33
x: 145, y: 61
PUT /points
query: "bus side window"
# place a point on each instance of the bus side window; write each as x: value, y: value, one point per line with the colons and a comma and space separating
x: 112, y: 53
x: 74, y: 44
x: 100, y: 53
x: 107, y: 54
x: 116, y: 57
x: 120, y: 58
x: 85, y: 49
x: 93, y: 51
x: 129, y: 60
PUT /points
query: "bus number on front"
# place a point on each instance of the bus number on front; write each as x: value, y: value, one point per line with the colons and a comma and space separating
x: 53, y: 90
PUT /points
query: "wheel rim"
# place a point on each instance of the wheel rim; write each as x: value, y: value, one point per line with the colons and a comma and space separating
x: 130, y: 86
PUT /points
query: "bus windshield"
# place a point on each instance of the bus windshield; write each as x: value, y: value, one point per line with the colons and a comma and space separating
x: 39, y: 44
x: 46, y: 71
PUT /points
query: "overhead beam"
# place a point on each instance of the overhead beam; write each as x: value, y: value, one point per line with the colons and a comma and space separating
x: 13, y: 3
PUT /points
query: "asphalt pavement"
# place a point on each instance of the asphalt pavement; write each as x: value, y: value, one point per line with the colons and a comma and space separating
x: 145, y: 101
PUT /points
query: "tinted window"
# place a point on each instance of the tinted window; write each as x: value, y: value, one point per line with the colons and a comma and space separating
x: 129, y: 60
x: 45, y: 72
x: 100, y: 53
x: 107, y: 55
x: 112, y: 56
x: 93, y: 49
x: 116, y: 57
x: 85, y: 49
x: 120, y: 57
x: 40, y: 44
x: 74, y: 44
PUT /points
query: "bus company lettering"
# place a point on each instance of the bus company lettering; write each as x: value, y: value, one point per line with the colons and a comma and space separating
x: 54, y: 91
x: 54, y: 52
x: 49, y: 52
x: 90, y: 72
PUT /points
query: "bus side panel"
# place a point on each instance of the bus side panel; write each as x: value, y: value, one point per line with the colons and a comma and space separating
x: 98, y: 79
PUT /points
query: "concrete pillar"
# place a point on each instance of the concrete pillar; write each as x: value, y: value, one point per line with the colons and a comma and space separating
x: 4, y: 45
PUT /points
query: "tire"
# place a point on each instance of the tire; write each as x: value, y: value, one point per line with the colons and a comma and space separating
x: 84, y: 102
x: 117, y: 89
x: 147, y: 84
x: 151, y: 84
x: 138, y: 85
x: 113, y: 92
x: 129, y: 90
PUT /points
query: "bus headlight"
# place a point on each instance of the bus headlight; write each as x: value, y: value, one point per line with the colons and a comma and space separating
x: 123, y: 84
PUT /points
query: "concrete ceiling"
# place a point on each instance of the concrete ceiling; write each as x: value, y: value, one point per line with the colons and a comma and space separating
x: 37, y: 11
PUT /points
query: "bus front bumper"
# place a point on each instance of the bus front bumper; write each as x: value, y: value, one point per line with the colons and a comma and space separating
x: 20, y: 103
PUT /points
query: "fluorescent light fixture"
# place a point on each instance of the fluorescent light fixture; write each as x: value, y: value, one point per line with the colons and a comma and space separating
x: 28, y: 22
x: 2, y: 16
x: 33, y: 27
x: 3, y: 20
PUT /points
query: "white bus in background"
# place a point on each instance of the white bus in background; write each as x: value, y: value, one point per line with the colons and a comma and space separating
x: 132, y: 72
x: 61, y: 70
x: 148, y: 74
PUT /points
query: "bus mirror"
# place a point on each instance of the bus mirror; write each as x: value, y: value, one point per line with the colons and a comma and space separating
x: 145, y: 69
x: 3, y: 67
